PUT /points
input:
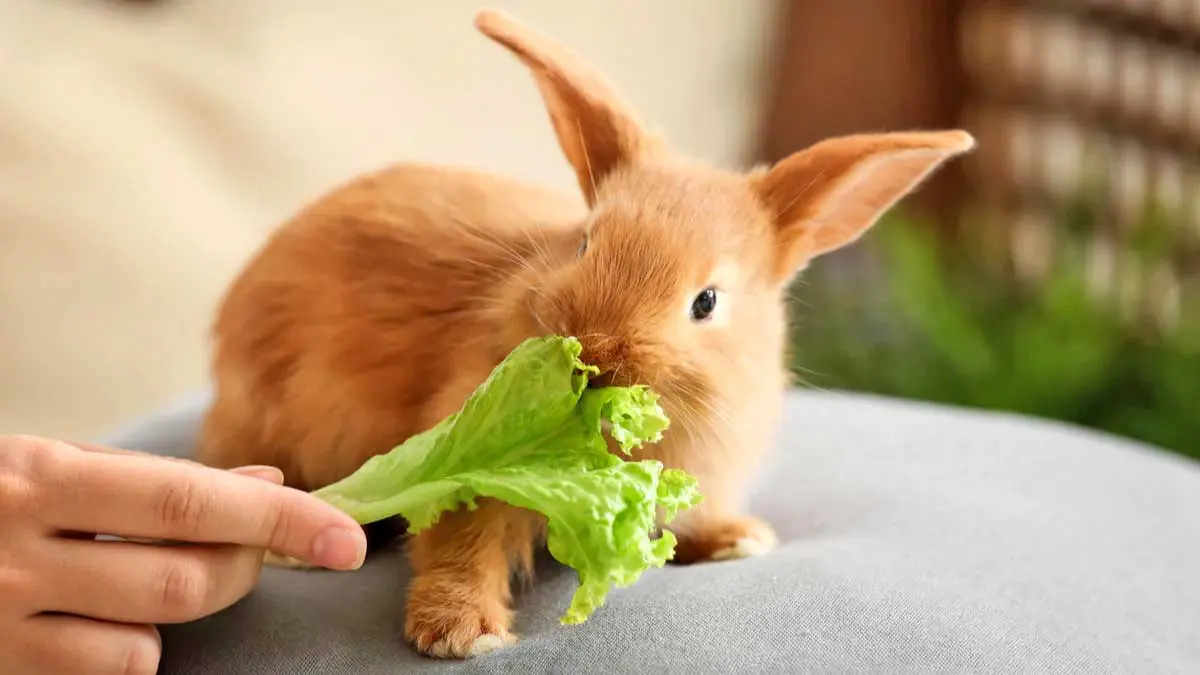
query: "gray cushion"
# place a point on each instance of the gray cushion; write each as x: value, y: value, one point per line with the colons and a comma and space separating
x: 916, y: 539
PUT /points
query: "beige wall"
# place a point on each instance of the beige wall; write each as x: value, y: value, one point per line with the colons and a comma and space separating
x: 145, y: 151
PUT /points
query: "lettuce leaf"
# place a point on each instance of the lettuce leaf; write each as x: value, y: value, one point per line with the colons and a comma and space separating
x: 532, y: 435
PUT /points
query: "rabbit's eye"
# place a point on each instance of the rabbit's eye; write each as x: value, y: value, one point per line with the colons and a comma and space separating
x: 582, y: 247
x: 704, y: 304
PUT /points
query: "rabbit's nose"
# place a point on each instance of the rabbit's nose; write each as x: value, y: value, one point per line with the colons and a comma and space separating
x: 610, y: 355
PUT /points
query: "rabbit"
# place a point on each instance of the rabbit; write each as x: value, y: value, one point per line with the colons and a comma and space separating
x: 375, y: 311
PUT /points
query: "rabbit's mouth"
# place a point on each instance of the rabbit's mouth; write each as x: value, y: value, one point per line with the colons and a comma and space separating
x: 600, y: 380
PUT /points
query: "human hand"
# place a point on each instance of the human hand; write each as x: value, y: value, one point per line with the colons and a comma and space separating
x: 70, y: 603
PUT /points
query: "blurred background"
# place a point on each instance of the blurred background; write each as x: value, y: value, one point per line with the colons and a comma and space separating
x: 147, y: 148
x: 1056, y: 272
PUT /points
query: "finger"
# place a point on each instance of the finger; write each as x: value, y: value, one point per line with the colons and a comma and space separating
x: 106, y: 450
x: 139, y: 583
x: 149, y: 498
x: 96, y: 447
x: 270, y: 473
x: 50, y: 644
x: 267, y: 473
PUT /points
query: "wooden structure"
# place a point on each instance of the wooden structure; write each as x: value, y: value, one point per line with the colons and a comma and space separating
x: 1063, y: 95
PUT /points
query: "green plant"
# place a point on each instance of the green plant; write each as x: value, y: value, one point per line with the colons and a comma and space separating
x: 946, y: 324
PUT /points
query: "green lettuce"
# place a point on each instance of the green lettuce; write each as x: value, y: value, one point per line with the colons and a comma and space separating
x: 532, y: 435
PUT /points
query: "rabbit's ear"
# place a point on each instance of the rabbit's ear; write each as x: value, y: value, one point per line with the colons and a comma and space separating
x: 597, y: 130
x: 826, y: 196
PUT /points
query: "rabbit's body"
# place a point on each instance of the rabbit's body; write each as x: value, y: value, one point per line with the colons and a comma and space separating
x: 376, y: 311
x: 373, y: 314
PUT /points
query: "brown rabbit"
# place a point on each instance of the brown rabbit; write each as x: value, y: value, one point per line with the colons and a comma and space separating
x: 377, y: 310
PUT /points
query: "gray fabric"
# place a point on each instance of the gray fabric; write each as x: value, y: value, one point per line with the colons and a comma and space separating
x: 916, y: 539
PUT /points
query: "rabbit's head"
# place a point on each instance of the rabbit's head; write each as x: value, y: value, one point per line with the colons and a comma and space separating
x: 681, y: 268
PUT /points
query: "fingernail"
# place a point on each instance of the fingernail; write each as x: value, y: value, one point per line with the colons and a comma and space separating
x: 339, y: 548
x: 268, y: 473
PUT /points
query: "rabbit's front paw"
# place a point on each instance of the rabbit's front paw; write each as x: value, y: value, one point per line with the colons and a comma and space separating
x: 453, y: 625
x: 727, y: 539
